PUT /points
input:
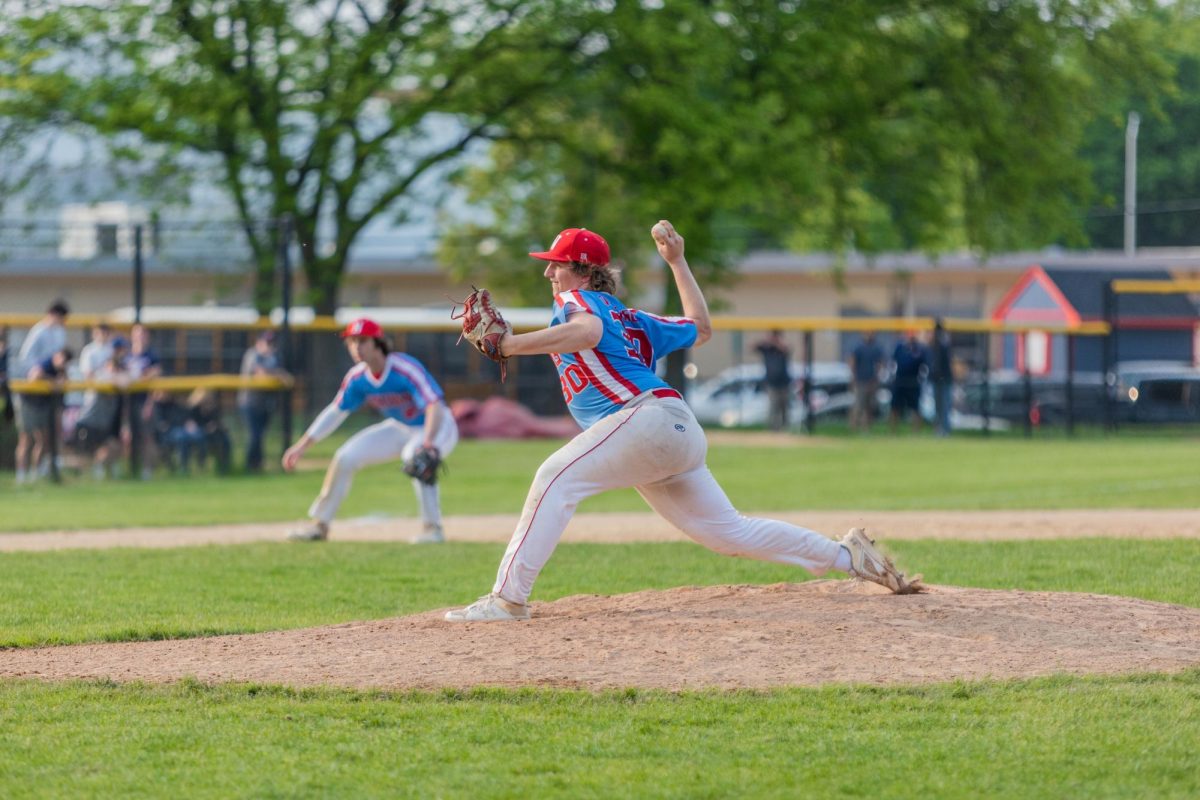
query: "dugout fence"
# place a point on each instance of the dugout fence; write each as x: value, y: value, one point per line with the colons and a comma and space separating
x: 203, y: 348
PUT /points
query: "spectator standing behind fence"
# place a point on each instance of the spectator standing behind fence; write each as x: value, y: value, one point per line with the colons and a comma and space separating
x: 775, y: 355
x: 909, y: 362
x: 45, y: 338
x: 97, y: 431
x: 96, y: 353
x: 260, y: 360
x: 38, y: 412
x: 7, y: 413
x: 144, y: 364
x: 865, y: 364
x: 941, y: 375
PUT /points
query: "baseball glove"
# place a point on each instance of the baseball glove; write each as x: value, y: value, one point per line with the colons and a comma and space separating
x: 483, y: 326
x: 424, y: 465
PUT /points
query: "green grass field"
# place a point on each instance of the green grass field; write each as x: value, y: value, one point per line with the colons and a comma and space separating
x: 841, y: 473
x: 1053, y: 737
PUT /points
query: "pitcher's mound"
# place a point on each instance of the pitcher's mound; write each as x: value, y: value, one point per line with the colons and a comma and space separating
x: 719, y: 636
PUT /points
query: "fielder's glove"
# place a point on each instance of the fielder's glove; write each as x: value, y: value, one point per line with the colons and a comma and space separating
x: 424, y: 465
x: 483, y: 326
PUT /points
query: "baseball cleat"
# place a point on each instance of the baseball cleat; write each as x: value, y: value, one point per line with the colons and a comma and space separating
x: 869, y: 564
x: 489, y: 608
x: 316, y: 532
x: 431, y: 535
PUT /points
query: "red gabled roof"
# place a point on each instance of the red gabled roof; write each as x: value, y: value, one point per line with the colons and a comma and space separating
x: 1035, y: 274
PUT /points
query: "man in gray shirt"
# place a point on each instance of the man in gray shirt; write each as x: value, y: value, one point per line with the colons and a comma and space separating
x: 865, y: 363
x: 256, y: 405
x: 45, y: 338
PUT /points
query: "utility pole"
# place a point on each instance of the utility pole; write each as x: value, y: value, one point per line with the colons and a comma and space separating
x: 1131, y: 134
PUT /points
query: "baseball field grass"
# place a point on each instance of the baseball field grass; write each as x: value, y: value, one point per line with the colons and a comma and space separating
x: 1053, y: 737
x: 1114, y: 737
x: 126, y: 594
x: 841, y: 473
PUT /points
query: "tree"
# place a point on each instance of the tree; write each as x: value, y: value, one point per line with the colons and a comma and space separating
x: 332, y: 114
x: 831, y: 124
x: 1168, y: 157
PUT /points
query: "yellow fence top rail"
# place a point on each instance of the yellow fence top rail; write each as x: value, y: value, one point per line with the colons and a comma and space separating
x: 175, y: 383
x: 901, y: 324
x: 721, y: 323
x: 1156, y: 287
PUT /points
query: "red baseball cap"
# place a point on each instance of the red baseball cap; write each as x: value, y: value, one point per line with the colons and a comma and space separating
x: 363, y: 327
x: 577, y: 244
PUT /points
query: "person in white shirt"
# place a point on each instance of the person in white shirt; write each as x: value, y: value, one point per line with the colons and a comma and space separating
x: 96, y: 353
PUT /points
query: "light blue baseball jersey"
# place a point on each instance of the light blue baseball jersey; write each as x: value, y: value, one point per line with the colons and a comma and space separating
x: 600, y: 381
x: 401, y: 393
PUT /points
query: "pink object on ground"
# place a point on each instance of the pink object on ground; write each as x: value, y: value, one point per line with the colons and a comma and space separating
x: 501, y: 418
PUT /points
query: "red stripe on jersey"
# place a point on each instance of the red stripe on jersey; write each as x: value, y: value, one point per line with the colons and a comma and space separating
x: 538, y: 507
x: 594, y: 381
x: 414, y: 374
x: 355, y: 370
x: 671, y: 320
x: 576, y: 298
x: 613, y: 372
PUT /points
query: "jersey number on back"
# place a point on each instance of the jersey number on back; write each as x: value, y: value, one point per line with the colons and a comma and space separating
x: 639, y: 346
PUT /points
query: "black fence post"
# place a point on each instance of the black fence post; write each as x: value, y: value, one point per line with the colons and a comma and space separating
x: 134, y: 416
x: 55, y: 401
x: 1027, y: 380
x: 985, y: 400
x: 1109, y: 356
x: 810, y: 424
x: 138, y: 273
x: 1070, y: 384
x: 285, y: 328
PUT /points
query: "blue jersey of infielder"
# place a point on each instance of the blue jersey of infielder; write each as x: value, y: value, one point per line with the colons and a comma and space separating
x: 600, y: 381
x: 401, y: 393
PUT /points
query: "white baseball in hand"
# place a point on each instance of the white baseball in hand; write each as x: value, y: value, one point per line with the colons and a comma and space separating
x: 659, y: 231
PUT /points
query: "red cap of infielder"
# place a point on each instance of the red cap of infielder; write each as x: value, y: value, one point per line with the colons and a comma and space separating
x: 577, y: 244
x: 363, y: 327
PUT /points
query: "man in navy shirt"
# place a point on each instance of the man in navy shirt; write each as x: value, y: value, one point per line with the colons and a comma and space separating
x: 910, y: 362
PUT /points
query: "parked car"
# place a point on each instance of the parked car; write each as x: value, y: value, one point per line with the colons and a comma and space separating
x: 1048, y: 400
x: 737, y: 396
x: 1156, y: 391
x: 1142, y: 391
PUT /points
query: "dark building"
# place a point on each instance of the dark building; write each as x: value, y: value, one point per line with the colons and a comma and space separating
x: 1157, y: 327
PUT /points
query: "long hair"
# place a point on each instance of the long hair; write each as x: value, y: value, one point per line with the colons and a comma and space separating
x: 600, y: 279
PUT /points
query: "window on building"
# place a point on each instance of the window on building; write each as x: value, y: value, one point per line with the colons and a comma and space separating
x: 106, y: 240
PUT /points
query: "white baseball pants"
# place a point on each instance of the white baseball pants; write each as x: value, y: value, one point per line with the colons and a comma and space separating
x: 385, y: 441
x: 655, y: 445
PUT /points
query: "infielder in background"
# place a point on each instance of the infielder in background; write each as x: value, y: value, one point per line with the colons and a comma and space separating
x: 418, y: 429
x: 637, y: 430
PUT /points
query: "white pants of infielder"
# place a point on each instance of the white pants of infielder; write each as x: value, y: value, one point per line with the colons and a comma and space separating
x: 656, y: 446
x: 385, y: 441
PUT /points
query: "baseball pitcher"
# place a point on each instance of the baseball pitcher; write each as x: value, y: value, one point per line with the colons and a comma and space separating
x: 637, y: 431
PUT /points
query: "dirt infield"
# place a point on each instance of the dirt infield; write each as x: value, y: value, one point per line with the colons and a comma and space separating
x: 638, y: 526
x: 727, y: 637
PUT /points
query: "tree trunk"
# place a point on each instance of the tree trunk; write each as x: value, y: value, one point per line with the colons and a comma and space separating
x: 324, y: 281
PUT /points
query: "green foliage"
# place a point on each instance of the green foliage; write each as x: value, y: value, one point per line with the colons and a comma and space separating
x: 1168, y: 153
x: 1052, y: 737
x: 828, y: 125
x: 331, y: 113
